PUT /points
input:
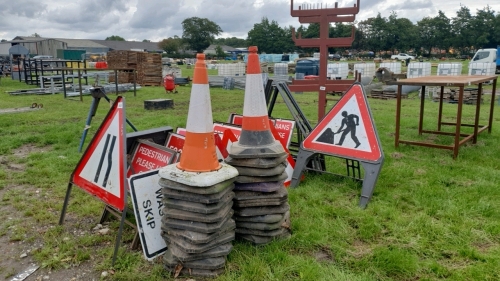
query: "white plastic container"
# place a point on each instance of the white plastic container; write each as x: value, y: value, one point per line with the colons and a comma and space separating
x: 231, y: 69
x: 418, y: 69
x: 336, y: 70
x: 482, y: 68
x: 452, y: 69
x: 366, y: 69
x: 280, y: 69
x: 395, y: 67
x: 177, y: 72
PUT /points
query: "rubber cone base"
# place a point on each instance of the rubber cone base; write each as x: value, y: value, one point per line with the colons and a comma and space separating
x: 238, y: 150
x: 171, y: 172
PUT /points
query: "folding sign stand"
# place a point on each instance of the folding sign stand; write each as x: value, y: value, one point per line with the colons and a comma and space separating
x: 303, y: 125
x: 347, y: 131
x: 97, y: 93
x: 102, y: 169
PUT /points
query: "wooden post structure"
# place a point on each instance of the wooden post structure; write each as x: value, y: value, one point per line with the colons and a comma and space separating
x: 313, y: 13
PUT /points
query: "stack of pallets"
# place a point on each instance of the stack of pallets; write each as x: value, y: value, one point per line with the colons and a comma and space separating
x: 385, y: 95
x: 451, y: 96
x: 147, y: 65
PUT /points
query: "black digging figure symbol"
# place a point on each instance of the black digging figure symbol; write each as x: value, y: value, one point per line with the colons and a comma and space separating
x: 350, y: 121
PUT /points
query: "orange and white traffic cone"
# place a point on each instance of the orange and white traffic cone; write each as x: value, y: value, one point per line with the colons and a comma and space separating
x: 199, y: 165
x: 256, y: 139
x: 197, y: 193
x: 199, y: 153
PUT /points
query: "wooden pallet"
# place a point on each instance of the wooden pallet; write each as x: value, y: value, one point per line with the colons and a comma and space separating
x: 385, y: 95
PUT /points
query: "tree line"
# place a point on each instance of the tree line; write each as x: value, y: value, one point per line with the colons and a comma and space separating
x: 458, y: 35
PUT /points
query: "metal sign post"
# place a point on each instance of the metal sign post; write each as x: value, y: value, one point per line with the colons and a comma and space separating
x: 97, y: 93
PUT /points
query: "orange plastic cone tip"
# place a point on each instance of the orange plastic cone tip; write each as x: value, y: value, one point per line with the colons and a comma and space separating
x: 253, y: 64
x: 200, y: 75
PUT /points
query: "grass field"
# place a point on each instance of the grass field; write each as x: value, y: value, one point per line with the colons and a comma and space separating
x: 430, y: 218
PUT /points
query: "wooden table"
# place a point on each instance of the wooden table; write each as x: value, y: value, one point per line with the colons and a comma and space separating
x: 461, y: 82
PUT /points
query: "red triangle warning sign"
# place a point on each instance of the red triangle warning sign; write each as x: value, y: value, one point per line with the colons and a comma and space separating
x: 101, y: 170
x: 347, y: 130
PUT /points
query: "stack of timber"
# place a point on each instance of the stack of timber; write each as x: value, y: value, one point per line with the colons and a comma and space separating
x: 147, y: 65
x: 452, y: 95
x: 124, y: 77
x: 385, y: 95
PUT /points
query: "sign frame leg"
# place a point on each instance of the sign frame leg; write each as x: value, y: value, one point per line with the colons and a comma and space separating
x: 110, y: 211
x: 303, y: 158
x: 372, y: 171
x: 119, y: 236
x: 65, y: 204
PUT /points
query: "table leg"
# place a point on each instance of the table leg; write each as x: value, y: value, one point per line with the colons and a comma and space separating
x: 459, y: 122
x: 492, y: 106
x: 421, y: 118
x: 398, y: 114
x: 440, y: 112
x: 478, y: 110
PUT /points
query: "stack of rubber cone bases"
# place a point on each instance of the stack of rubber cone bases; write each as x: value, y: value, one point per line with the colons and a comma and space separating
x: 197, y: 223
x: 260, y: 204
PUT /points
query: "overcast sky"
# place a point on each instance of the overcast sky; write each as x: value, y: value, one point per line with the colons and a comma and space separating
x: 158, y: 19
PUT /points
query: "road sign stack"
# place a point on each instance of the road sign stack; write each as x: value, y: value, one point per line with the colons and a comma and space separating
x: 197, y: 193
x: 261, y: 209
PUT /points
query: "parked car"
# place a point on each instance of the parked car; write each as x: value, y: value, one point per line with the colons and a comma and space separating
x: 402, y: 56
x: 334, y: 56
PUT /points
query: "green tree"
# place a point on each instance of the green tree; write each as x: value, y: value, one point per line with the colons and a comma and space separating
x: 233, y: 42
x: 482, y: 25
x: 461, y: 29
x: 146, y: 40
x: 115, y: 38
x: 170, y: 45
x: 219, y: 52
x: 496, y: 30
x: 427, y: 34
x: 199, y: 33
x: 3, y: 40
x: 35, y: 35
x: 442, y: 26
x: 269, y: 37
x: 375, y: 34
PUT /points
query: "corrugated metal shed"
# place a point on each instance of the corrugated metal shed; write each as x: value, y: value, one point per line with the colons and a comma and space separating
x: 129, y: 45
x: 4, y: 49
x: 39, y: 45
x: 85, y: 44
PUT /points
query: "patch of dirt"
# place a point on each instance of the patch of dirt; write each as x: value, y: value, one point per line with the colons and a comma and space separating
x: 483, y: 247
x: 360, y: 249
x: 17, y: 252
x: 27, y: 149
x: 419, y: 172
x: 324, y: 255
x: 397, y: 155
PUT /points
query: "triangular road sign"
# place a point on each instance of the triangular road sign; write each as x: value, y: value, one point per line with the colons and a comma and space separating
x: 101, y: 170
x: 348, y: 130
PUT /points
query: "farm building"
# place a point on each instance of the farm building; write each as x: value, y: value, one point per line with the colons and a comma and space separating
x: 39, y: 45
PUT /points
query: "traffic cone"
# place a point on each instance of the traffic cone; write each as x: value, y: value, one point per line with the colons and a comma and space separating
x: 256, y: 139
x: 197, y: 224
x: 198, y: 153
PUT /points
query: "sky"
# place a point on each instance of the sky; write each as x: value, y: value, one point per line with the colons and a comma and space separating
x: 155, y: 20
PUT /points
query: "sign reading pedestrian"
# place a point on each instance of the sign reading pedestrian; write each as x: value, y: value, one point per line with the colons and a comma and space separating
x: 101, y: 170
x: 146, y: 195
x: 347, y: 131
x: 150, y: 156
